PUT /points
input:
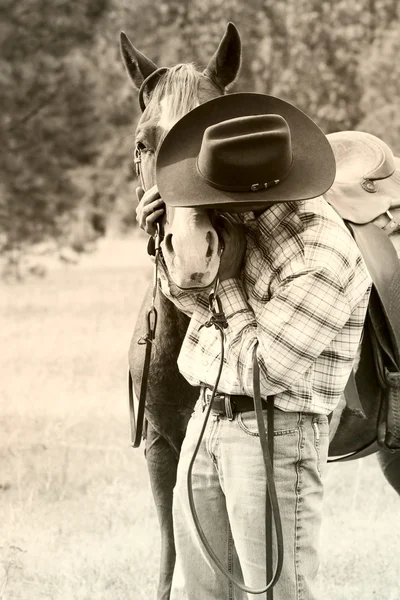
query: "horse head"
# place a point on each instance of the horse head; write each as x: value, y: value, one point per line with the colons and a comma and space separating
x: 190, y: 243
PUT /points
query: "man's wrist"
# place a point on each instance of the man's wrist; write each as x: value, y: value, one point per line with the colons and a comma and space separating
x: 233, y: 296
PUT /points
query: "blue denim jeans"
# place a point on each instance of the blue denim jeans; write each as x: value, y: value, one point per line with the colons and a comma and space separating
x: 229, y: 494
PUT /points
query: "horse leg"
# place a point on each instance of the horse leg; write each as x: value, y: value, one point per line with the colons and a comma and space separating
x: 169, y: 403
x: 162, y: 463
x: 390, y: 465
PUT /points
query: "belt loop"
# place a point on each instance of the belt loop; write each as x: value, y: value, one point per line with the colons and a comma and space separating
x: 203, y: 397
x: 228, y: 407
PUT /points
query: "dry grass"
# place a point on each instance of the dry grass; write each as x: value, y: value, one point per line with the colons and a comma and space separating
x: 77, y: 519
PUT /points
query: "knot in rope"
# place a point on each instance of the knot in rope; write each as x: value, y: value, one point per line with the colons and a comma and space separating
x: 217, y: 318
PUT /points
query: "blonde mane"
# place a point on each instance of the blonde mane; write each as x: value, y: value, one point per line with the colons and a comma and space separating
x: 181, y: 84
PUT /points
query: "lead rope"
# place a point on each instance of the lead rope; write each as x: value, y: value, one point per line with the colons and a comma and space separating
x: 272, y: 507
x: 137, y: 422
x: 272, y: 513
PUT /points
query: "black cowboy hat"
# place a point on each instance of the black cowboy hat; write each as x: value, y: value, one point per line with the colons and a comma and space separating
x: 243, y: 152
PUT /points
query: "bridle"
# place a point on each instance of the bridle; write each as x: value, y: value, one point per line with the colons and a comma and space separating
x: 218, y: 320
x: 137, y: 422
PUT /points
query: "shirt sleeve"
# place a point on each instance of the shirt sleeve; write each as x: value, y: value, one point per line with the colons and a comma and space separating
x: 293, y: 328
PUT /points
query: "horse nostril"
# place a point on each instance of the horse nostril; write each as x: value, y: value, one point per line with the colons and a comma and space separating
x: 210, y: 242
x: 168, y: 243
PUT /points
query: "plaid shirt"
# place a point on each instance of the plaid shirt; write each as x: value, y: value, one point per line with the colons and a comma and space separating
x: 303, y: 297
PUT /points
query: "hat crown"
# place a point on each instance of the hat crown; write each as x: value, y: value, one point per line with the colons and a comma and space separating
x: 246, y: 153
x: 271, y: 136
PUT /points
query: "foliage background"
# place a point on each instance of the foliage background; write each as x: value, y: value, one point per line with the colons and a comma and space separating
x: 68, y: 112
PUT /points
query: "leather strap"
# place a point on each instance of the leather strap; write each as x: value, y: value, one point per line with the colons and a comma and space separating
x: 227, y: 405
x: 272, y: 505
x: 137, y: 423
x: 269, y: 510
x: 367, y: 450
x: 353, y: 401
x: 383, y: 266
x: 271, y: 490
x: 389, y: 425
x: 383, y: 320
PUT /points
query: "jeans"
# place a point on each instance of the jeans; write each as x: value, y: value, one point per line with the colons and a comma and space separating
x: 229, y: 494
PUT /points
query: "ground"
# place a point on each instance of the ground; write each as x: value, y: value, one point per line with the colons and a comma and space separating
x: 77, y: 519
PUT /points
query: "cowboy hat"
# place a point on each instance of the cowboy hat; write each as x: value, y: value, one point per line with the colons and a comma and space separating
x: 243, y: 151
x: 367, y: 182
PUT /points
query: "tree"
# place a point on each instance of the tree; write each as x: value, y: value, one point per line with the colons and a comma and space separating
x: 380, y: 73
x: 48, y: 117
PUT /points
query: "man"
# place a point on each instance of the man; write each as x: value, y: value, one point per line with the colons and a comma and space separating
x: 291, y: 284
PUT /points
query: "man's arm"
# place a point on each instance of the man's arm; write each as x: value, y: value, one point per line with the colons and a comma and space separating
x: 292, y: 328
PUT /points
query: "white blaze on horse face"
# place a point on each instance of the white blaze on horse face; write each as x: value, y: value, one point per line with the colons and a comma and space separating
x: 191, y: 248
x: 167, y: 119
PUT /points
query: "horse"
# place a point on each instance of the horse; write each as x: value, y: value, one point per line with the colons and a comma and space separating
x: 191, y: 235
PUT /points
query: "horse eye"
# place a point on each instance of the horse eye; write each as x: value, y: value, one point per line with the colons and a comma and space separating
x: 140, y: 146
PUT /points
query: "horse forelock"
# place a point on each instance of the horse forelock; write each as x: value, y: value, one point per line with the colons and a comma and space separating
x: 177, y: 91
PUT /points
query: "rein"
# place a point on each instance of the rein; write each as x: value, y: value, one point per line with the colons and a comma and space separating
x: 272, y: 513
x: 137, y: 421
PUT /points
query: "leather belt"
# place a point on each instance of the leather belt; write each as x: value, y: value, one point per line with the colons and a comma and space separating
x: 227, y: 405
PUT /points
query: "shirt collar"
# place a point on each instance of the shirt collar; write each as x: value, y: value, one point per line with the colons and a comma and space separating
x: 271, y: 217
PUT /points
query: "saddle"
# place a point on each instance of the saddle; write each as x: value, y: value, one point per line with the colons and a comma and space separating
x: 383, y: 324
x: 366, y: 188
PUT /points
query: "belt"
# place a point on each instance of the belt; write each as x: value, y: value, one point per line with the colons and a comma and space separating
x: 227, y: 405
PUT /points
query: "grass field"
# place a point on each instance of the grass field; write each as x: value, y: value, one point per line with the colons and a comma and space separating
x: 76, y: 513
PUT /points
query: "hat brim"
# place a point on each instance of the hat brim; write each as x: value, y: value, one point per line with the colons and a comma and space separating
x: 180, y: 184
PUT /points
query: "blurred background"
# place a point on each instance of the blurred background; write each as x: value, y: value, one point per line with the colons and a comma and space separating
x: 68, y: 111
x: 76, y: 513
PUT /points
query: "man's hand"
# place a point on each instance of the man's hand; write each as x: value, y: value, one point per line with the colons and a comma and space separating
x: 149, y: 209
x: 234, y: 240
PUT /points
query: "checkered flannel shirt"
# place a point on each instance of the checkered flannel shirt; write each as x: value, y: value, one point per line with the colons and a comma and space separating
x: 303, y: 297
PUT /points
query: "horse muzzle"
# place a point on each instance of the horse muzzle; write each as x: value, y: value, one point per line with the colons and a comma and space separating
x: 191, y: 249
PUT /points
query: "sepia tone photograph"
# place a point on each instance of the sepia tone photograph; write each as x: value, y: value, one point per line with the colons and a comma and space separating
x: 199, y: 300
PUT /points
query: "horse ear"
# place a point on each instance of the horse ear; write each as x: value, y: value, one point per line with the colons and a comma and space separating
x: 224, y: 66
x: 137, y: 64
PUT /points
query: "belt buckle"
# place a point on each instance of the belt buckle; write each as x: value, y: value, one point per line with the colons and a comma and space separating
x: 218, y: 403
x: 223, y: 405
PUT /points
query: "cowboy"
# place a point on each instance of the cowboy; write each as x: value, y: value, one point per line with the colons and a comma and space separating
x: 294, y: 289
